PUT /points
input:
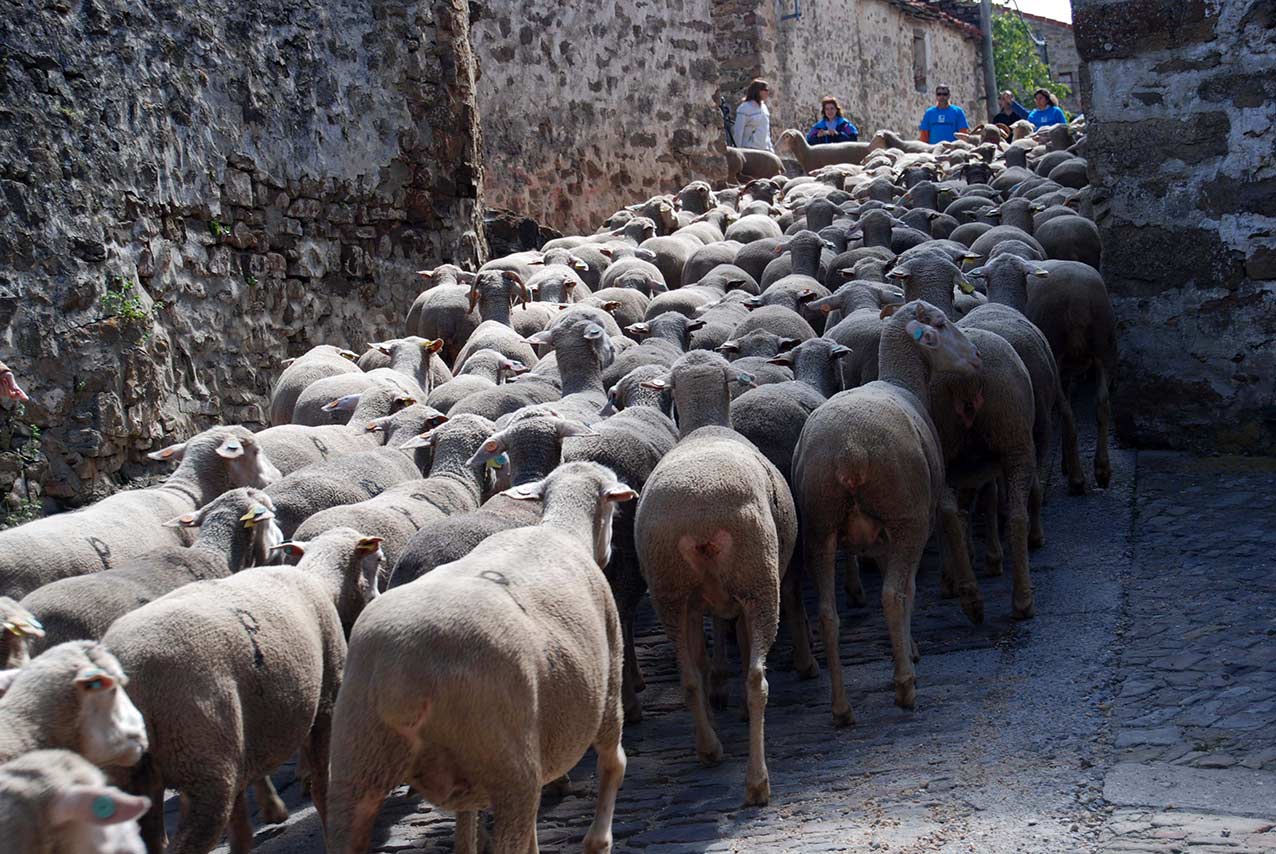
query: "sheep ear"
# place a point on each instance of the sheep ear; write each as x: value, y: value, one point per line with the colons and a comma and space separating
x: 489, y: 452
x: 730, y: 346
x: 186, y: 520
x: 610, y: 306
x: 349, y: 355
x: 593, y: 332
x: 96, y: 805
x: 346, y: 403
x: 367, y: 545
x: 573, y: 428
x: 1038, y: 271
x: 405, y: 400
x: 173, y: 453
x: 94, y: 679
x: 655, y: 384
x: 806, y: 295
x: 606, y: 251
x: 433, y: 346
x: 230, y: 448
x: 542, y: 337
x: 746, y: 379
x: 782, y: 359
x: 6, y: 679
x: 382, y: 347
x: 839, y: 351
x: 887, y: 311
x: 425, y: 274
x: 924, y: 335
x: 422, y: 440
x: 620, y: 492
x: 526, y: 492
x: 966, y: 286
x: 638, y: 328
x: 286, y: 362
x: 579, y: 265
x: 256, y: 514
x: 696, y: 324
x: 787, y: 344
x: 290, y: 549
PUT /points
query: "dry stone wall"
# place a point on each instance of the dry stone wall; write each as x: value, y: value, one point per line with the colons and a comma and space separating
x: 587, y: 107
x: 1181, y: 104
x: 862, y: 52
x: 191, y: 192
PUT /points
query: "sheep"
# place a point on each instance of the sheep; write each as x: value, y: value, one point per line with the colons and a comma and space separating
x: 624, y: 304
x: 985, y: 242
x: 315, y: 364
x: 814, y: 157
x: 1072, y: 309
x: 629, y: 391
x: 316, y: 405
x: 531, y: 446
x: 868, y: 467
x: 124, y: 525
x: 72, y: 696
x: 660, y: 210
x: 236, y: 530
x: 452, y: 485
x: 635, y: 273
x: 399, y: 354
x: 752, y: 163
x: 759, y: 342
x: 672, y: 254
x: 582, y: 349
x: 751, y: 228
x: 697, y: 198
x: 484, y: 369
x: 715, y: 529
x: 19, y: 632
x: 666, y: 337
x: 779, y: 319
x: 494, y: 292
x: 860, y: 327
x: 529, y: 606
x: 706, y: 258
x: 343, y: 480
x: 443, y: 310
x: 889, y: 139
x: 528, y: 390
x: 270, y: 648
x: 292, y: 446
x: 1071, y: 238
x: 56, y: 802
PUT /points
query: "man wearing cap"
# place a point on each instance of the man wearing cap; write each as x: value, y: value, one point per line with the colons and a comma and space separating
x: 942, y: 122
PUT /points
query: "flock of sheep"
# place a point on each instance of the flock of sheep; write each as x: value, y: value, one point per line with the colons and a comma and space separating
x: 427, y: 570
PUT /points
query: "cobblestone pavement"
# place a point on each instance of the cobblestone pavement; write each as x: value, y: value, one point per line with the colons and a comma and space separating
x: 1136, y: 712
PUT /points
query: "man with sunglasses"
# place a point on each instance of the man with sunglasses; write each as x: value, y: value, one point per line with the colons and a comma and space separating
x: 944, y: 121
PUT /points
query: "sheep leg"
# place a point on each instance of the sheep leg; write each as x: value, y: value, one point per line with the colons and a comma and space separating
x: 720, y: 671
x: 819, y: 554
x: 632, y: 679
x: 795, y: 615
x: 898, y: 589
x: 241, y: 829
x: 1071, y: 455
x: 611, y: 773
x: 369, y: 759
x: 514, y: 818
x: 1036, y: 534
x: 758, y: 633
x: 269, y: 805
x: 1103, y: 415
x: 316, y: 752
x: 852, y: 585
x: 988, y: 507
x: 1018, y: 481
x: 687, y: 635
x: 956, y: 558
x: 147, y: 780
x: 467, y: 832
x: 212, y: 801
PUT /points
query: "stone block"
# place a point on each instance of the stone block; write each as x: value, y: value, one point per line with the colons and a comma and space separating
x: 237, y: 188
x: 1110, y: 30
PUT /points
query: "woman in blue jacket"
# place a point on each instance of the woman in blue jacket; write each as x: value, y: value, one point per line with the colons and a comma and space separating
x: 1047, y: 112
x: 832, y: 126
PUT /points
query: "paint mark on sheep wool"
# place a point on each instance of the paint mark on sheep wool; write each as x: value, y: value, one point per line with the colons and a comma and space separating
x: 371, y: 487
x: 103, y: 551
x: 250, y: 624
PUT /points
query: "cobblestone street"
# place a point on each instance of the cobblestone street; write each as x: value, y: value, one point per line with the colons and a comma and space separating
x: 1136, y: 712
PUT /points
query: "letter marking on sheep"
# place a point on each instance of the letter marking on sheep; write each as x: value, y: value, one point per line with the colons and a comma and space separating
x: 250, y: 624
x: 103, y: 551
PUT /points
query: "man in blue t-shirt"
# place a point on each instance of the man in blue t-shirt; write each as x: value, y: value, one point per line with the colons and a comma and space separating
x: 942, y: 122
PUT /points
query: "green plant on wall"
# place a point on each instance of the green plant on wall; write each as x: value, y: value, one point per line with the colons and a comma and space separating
x: 1019, y: 66
x: 30, y: 452
x: 122, y: 300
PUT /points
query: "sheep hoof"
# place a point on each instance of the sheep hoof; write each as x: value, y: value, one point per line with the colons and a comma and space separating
x: 633, y: 714
x: 558, y: 788
x: 992, y: 567
x: 1025, y: 612
x: 713, y: 755
x: 916, y: 653
x: 757, y: 794
x: 809, y: 670
x: 1036, y: 539
x: 598, y: 844
x: 1076, y: 487
x: 906, y: 694
x: 844, y: 717
x: 274, y: 812
x: 1102, y: 474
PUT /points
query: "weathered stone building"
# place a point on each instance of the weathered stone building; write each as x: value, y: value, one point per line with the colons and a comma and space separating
x: 191, y: 192
x: 1061, y: 56
x: 1181, y: 101
x: 587, y: 106
x: 880, y: 58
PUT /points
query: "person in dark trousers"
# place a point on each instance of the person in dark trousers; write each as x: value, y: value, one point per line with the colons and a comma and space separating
x: 944, y: 121
x: 832, y: 126
x: 1011, y: 110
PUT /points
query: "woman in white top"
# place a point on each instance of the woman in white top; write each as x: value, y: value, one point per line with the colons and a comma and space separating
x: 752, y: 118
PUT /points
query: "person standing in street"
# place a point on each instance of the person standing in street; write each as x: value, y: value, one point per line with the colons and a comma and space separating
x: 942, y: 122
x: 832, y: 126
x: 1047, y: 112
x: 753, y: 119
x: 1011, y: 110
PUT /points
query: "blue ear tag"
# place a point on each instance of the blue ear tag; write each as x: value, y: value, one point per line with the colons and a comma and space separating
x: 103, y: 807
x: 918, y: 332
x: 499, y: 461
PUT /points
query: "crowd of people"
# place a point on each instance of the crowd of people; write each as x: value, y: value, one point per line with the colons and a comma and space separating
x: 940, y: 123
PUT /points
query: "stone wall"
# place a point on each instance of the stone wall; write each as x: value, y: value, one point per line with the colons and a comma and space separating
x: 1182, y: 108
x: 587, y: 107
x: 1064, y: 61
x: 191, y: 192
x: 861, y: 52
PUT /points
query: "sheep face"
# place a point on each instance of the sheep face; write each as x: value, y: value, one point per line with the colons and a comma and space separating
x: 110, y: 728
x: 96, y: 820
x: 18, y: 629
x: 246, y: 462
